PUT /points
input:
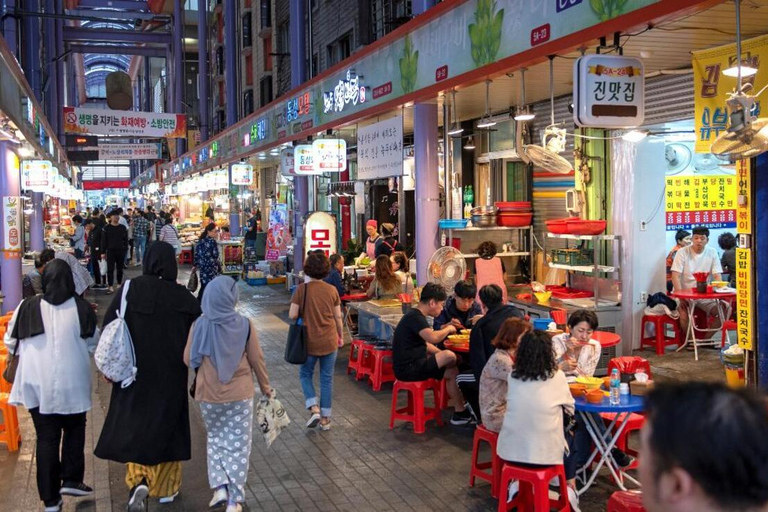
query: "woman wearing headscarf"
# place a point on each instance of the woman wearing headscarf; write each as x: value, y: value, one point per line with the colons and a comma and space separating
x: 147, y: 425
x: 224, y: 350
x: 80, y: 274
x: 54, y: 335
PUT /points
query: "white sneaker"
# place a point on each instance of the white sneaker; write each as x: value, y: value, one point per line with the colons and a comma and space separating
x: 573, y: 499
x: 514, y: 488
x: 219, y: 497
x: 234, y: 507
x: 168, y: 499
x: 54, y: 508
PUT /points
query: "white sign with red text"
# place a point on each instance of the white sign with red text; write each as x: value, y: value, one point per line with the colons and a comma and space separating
x: 320, y: 233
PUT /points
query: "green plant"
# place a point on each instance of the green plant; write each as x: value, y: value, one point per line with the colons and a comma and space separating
x: 485, y: 32
x: 353, y: 250
x: 607, y: 9
x: 408, y: 64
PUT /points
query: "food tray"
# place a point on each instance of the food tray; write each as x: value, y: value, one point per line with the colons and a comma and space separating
x: 558, y: 226
x: 452, y: 223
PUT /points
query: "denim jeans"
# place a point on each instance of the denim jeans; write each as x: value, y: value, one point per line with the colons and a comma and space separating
x: 140, y: 246
x: 306, y: 374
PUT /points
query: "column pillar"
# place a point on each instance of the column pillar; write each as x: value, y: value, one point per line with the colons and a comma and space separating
x: 178, y: 65
x: 234, y: 206
x: 298, y: 76
x: 202, y: 67
x: 425, y: 175
x: 9, y: 27
x: 36, y: 232
x: 50, y: 66
x: 230, y: 59
x: 59, y: 69
x: 10, y: 263
x: 31, y: 54
x: 344, y: 210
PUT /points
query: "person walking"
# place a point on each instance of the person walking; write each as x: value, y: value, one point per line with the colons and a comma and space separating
x: 114, y: 241
x: 147, y: 424
x: 95, y: 232
x: 170, y: 235
x: 77, y: 242
x: 223, y: 349
x: 207, y: 258
x: 158, y: 225
x: 140, y: 234
x: 54, y: 334
x: 319, y: 306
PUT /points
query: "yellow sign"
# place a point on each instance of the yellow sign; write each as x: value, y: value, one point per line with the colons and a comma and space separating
x: 707, y: 201
x: 744, y: 207
x: 744, y: 312
x: 711, y: 86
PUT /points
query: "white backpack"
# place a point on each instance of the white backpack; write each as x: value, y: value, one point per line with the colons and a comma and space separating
x: 114, y: 356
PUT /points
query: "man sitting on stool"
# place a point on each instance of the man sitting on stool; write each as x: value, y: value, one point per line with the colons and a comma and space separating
x: 461, y: 309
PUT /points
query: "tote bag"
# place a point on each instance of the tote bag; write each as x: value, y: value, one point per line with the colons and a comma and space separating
x: 296, y: 348
x: 115, y: 356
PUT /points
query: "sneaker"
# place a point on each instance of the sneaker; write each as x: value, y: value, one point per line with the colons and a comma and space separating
x: 461, y: 418
x: 313, y: 420
x: 325, y: 426
x: 573, y: 500
x: 138, y: 497
x: 622, y: 459
x: 475, y: 418
x: 234, y: 507
x: 75, y: 489
x: 168, y: 499
x: 110, y: 290
x: 512, y: 490
x: 53, y: 505
x: 219, y: 496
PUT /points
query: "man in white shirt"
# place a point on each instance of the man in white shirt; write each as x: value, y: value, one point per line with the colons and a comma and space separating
x: 696, y: 257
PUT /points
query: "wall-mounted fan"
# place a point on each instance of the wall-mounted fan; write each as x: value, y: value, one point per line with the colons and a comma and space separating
x: 447, y: 267
x: 678, y: 157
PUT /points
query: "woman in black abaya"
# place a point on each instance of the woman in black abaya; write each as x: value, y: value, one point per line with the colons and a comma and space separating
x: 147, y: 426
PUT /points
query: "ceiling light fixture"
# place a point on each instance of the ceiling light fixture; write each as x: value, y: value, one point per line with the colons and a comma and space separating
x: 470, y: 143
x: 486, y: 121
x: 746, y: 71
x: 524, y: 112
x: 456, y: 129
x: 634, y: 135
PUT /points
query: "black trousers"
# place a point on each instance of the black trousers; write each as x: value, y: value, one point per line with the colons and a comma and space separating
x: 95, y: 258
x: 470, y: 389
x: 115, y: 261
x: 53, y: 469
x: 200, y: 293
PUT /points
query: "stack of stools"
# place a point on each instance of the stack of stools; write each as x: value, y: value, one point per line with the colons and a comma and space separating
x: 479, y: 469
x: 381, y: 366
x: 355, y: 355
x: 9, y: 431
x: 626, y: 501
x: 416, y: 412
x: 660, y: 340
x: 533, y: 495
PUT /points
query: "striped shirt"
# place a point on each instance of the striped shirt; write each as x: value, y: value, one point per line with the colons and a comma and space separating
x: 170, y: 235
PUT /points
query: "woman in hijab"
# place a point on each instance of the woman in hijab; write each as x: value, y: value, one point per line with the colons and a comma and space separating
x: 80, y: 274
x: 54, y: 334
x: 147, y: 425
x: 223, y: 349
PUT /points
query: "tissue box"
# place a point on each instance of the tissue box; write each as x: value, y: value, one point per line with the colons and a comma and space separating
x: 640, y: 388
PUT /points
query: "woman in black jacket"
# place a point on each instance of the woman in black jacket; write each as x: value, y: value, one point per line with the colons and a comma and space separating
x: 114, y: 245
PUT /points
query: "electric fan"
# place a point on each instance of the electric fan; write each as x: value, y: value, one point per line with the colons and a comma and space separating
x: 446, y: 267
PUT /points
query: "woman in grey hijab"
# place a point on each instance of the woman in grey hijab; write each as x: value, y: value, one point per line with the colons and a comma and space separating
x: 224, y: 350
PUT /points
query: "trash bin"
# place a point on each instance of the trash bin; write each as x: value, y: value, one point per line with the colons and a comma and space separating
x: 734, y: 375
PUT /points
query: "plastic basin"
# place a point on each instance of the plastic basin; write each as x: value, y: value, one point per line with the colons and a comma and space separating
x: 514, y: 220
x: 586, y: 227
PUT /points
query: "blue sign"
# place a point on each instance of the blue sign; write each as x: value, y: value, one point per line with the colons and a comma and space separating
x: 562, y: 5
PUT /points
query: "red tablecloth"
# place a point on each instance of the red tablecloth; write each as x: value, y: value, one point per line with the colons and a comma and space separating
x: 692, y: 294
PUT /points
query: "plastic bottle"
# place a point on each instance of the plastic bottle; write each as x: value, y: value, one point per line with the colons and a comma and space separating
x: 615, y: 398
x: 470, y: 196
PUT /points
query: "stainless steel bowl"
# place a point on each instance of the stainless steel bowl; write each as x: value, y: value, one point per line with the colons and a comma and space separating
x: 483, y: 221
x: 484, y: 210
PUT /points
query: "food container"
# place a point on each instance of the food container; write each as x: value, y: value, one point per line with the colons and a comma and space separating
x: 595, y: 396
x: 452, y: 223
x: 276, y: 280
x: 484, y: 221
x: 638, y: 388
x: 513, y: 206
x: 558, y: 226
x: 541, y: 324
x: 577, y: 389
x: 543, y: 296
x: 592, y: 383
x: 514, y: 220
x: 719, y: 284
x: 586, y: 227
x: 484, y: 210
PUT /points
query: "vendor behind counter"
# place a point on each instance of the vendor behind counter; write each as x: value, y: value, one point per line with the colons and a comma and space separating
x: 489, y: 269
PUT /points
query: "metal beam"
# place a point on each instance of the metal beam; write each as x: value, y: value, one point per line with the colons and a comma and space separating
x: 135, y: 5
x: 111, y: 49
x: 82, y: 34
x: 92, y: 14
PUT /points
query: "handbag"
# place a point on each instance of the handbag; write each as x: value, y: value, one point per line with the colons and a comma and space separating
x: 193, y: 281
x: 9, y: 374
x: 296, y: 347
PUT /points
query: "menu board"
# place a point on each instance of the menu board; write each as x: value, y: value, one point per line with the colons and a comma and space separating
x: 706, y: 201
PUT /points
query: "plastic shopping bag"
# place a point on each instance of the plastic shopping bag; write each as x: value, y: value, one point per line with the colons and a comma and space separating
x: 103, y: 267
x: 271, y: 417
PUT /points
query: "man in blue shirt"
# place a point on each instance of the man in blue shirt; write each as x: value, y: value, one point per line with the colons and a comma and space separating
x: 334, y: 276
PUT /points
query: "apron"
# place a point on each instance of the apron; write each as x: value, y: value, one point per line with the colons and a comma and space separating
x: 370, y: 247
x: 490, y: 272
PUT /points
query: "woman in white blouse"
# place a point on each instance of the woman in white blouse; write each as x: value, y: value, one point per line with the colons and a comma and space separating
x: 53, y: 335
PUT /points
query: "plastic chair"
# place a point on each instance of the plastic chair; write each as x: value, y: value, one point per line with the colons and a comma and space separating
x: 9, y: 432
x: 382, y: 371
x: 415, y: 411
x: 5, y: 386
x: 479, y: 469
x: 355, y: 356
x: 365, y: 365
x: 533, y: 495
x: 626, y: 501
x: 660, y: 340
x: 444, y: 398
x: 628, y: 365
x: 728, y: 325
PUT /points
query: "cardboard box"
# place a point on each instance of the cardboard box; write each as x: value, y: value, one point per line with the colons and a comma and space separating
x: 640, y: 388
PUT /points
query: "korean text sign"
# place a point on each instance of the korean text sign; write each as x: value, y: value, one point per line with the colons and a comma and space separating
x: 278, y: 236
x: 744, y: 310
x: 609, y: 91
x: 124, y: 122
x: 380, y: 149
x: 707, y: 201
x: 11, y: 225
x: 712, y: 87
x: 149, y: 151
x: 320, y: 233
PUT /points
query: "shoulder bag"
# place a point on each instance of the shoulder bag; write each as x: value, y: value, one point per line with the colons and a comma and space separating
x: 9, y: 374
x: 296, y: 348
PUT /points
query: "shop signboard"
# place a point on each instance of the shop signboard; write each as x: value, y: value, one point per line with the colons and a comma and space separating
x: 287, y: 162
x: 304, y: 162
x: 705, y: 201
x: 744, y: 299
x: 124, y: 123
x: 329, y: 155
x: 148, y: 151
x: 278, y: 236
x: 744, y: 206
x: 320, y: 233
x: 380, y: 149
x: 712, y: 87
x: 608, y: 91
x: 242, y: 174
x: 12, y: 226
x: 37, y: 175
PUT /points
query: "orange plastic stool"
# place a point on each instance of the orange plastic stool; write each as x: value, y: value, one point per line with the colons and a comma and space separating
x: 365, y: 363
x: 382, y: 371
x: 626, y: 501
x: 533, y: 495
x: 9, y: 431
x: 416, y: 412
x: 5, y: 386
x: 355, y: 356
x: 728, y: 325
x: 479, y: 469
x: 660, y: 340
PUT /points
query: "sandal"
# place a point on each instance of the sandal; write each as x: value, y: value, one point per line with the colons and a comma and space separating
x: 325, y: 424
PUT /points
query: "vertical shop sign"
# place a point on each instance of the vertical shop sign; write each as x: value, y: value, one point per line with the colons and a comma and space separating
x: 329, y: 155
x: 609, y: 91
x: 36, y: 175
x: 380, y: 149
x: 242, y: 174
x: 744, y: 208
x: 304, y: 162
x: 712, y: 87
x: 744, y: 312
x: 11, y: 226
x: 320, y: 233
x: 287, y: 162
x: 277, y: 235
x: 706, y: 201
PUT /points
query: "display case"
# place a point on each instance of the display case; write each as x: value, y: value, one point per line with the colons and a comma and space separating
x: 231, y: 257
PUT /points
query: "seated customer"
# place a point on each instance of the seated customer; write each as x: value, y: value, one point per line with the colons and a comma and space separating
x: 400, y: 266
x: 533, y: 432
x: 32, y: 284
x: 415, y: 356
x: 480, y: 347
x: 461, y: 309
x: 386, y: 284
x: 493, y: 381
x: 334, y: 276
x: 684, y: 469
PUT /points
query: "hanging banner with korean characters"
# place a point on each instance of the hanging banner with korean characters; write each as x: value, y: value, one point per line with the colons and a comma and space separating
x: 124, y: 122
x: 287, y: 162
x: 278, y: 236
x: 12, y: 226
x: 37, y: 175
x: 242, y: 174
x: 705, y: 201
x: 304, y: 158
x: 744, y: 198
x: 712, y: 87
x: 380, y: 149
x: 330, y: 155
x: 608, y: 91
x: 320, y: 233
x: 744, y: 298
x: 151, y: 151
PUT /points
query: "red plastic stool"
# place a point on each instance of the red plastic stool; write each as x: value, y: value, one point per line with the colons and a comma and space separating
x: 415, y: 412
x: 729, y: 325
x: 355, y: 356
x: 382, y: 368
x: 10, y: 435
x: 534, y: 489
x: 660, y: 340
x: 626, y: 501
x: 365, y: 365
x: 444, y: 398
x: 478, y: 469
x: 185, y: 256
x: 630, y: 365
